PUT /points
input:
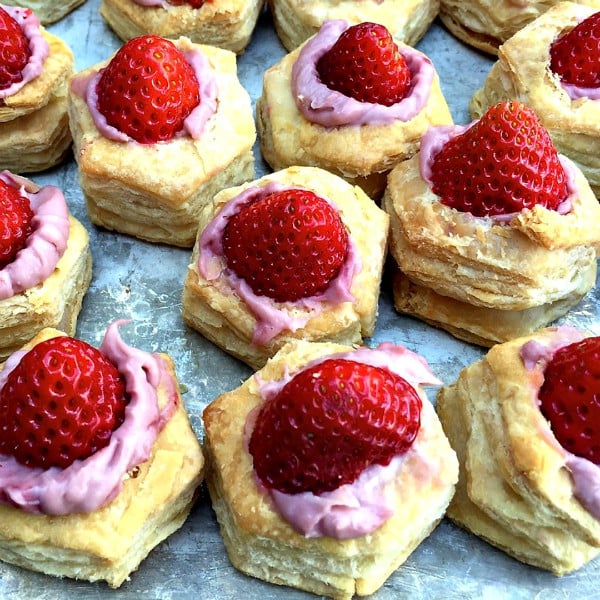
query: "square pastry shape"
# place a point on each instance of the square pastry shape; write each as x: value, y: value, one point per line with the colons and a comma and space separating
x: 48, y: 11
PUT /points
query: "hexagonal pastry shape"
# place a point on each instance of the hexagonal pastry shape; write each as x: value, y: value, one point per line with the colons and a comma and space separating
x: 156, y: 191
x: 252, y: 327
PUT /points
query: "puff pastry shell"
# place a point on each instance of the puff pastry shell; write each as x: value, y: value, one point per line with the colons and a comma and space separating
x: 47, y: 11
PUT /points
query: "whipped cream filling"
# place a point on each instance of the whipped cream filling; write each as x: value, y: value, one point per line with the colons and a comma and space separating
x: 89, y: 484
x: 38, y: 45
x: 46, y: 244
x: 359, y: 508
x: 575, y: 92
x: 271, y: 317
x: 329, y: 108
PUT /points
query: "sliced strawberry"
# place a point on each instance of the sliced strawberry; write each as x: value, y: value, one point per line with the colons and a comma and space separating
x: 570, y: 397
x: 148, y: 89
x: 504, y: 163
x: 575, y: 56
x: 14, y: 50
x: 15, y: 222
x: 61, y: 403
x: 287, y: 245
x: 329, y: 423
x: 365, y: 64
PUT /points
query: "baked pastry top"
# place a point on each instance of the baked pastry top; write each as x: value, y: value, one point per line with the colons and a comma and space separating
x: 48, y: 12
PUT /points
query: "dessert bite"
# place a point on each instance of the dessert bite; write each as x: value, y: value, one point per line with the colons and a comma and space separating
x: 553, y: 66
x: 147, y: 171
x: 493, y: 231
x: 45, y: 262
x: 296, y: 254
x: 226, y: 24
x: 297, y: 20
x: 34, y: 68
x: 524, y: 423
x: 46, y: 11
x: 350, y: 100
x: 334, y: 504
x: 101, y: 465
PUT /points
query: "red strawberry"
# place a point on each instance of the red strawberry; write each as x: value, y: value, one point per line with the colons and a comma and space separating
x: 504, y: 163
x: 575, y: 56
x: 329, y: 423
x: 148, y: 89
x: 366, y: 65
x: 15, y: 222
x: 287, y: 245
x: 61, y: 403
x: 192, y: 3
x: 14, y: 50
x: 570, y: 397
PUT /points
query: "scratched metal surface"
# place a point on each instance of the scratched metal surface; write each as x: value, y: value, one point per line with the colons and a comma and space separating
x: 143, y: 282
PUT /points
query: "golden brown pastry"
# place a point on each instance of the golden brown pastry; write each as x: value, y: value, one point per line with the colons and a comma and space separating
x: 253, y: 327
x: 58, y: 533
x: 518, y: 487
x: 523, y: 72
x: 296, y: 539
x: 47, y: 12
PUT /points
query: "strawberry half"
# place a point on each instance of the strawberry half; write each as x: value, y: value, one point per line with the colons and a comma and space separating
x: 61, y: 403
x: 15, y: 222
x: 14, y: 50
x: 504, y: 163
x: 570, y: 397
x: 148, y: 89
x: 287, y: 245
x: 365, y: 64
x: 329, y: 423
x: 575, y: 56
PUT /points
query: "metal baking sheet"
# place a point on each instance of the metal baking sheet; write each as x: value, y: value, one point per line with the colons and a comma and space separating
x: 143, y: 282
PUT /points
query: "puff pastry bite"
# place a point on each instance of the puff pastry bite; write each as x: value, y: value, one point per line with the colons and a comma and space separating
x: 316, y: 108
x: 529, y: 478
x: 487, y: 24
x: 525, y: 71
x: 142, y: 172
x: 47, y: 11
x: 92, y: 505
x: 313, y: 515
x: 494, y: 233
x: 34, y: 124
x: 45, y: 262
x: 259, y: 278
x: 227, y: 24
x: 297, y: 20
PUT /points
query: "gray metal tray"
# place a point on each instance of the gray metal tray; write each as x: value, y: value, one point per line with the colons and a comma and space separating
x: 143, y: 282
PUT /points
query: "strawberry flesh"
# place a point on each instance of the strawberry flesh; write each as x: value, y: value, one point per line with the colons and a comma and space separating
x: 287, y: 245
x: 329, y: 423
x: 504, y: 163
x: 15, y: 222
x: 570, y: 398
x: 14, y: 51
x: 61, y: 403
x: 365, y: 64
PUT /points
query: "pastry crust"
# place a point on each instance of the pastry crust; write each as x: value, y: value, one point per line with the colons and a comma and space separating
x: 260, y: 543
x: 225, y: 319
x: 47, y: 11
x: 515, y: 489
x: 523, y: 73
x: 227, y: 24
x: 363, y: 155
x: 109, y: 543
x: 541, y: 261
x: 156, y: 191
x: 297, y: 20
x: 487, y: 24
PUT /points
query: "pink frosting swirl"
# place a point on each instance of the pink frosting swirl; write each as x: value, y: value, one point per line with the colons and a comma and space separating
x: 575, y: 92
x: 43, y: 249
x: 89, y: 484
x: 329, y: 108
x: 39, y: 47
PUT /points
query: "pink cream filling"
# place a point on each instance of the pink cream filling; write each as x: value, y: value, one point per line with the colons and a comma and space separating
x: 193, y: 125
x: 43, y: 249
x: 271, y: 318
x: 584, y: 473
x: 326, y: 107
x: 38, y: 45
x: 359, y: 508
x: 89, y: 484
